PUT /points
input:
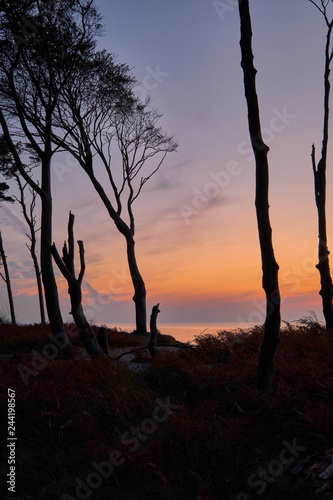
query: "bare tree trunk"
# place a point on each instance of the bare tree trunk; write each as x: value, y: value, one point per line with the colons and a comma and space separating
x: 30, y: 219
x: 137, y: 280
x: 6, y: 279
x: 153, y: 330
x: 66, y: 266
x: 49, y: 282
x: 139, y: 288
x: 319, y: 173
x: 102, y: 339
x: 269, y: 265
x: 39, y: 285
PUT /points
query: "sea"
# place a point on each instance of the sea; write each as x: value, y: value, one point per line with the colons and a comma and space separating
x: 186, y: 332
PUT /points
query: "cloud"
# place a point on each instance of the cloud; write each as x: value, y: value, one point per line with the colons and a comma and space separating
x: 9, y: 219
x: 23, y: 270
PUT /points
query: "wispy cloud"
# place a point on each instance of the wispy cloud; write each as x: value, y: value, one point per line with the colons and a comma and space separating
x: 10, y: 219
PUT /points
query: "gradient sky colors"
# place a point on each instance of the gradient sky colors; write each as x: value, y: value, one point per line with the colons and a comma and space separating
x: 197, y: 241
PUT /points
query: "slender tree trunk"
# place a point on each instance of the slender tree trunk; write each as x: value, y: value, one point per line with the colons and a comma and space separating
x: 323, y: 265
x: 31, y: 221
x: 86, y: 333
x: 137, y: 280
x: 6, y: 279
x: 139, y: 288
x: 269, y: 265
x: 319, y: 173
x: 39, y: 286
x: 49, y: 282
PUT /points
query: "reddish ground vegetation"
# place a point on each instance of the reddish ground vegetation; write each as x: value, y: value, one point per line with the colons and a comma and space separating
x: 220, y: 439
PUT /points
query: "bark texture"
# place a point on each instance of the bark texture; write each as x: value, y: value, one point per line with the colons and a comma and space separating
x: 269, y: 265
x: 49, y: 281
x: 66, y: 266
x: 139, y: 288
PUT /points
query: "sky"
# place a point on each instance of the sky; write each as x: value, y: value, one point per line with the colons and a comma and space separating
x: 196, y: 232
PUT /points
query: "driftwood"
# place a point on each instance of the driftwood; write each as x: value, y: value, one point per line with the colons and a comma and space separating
x: 153, y: 330
x: 176, y: 346
x: 66, y: 266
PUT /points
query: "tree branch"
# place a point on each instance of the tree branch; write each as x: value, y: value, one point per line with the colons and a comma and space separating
x: 70, y: 257
x: 82, y: 261
x: 17, y: 158
x: 60, y: 263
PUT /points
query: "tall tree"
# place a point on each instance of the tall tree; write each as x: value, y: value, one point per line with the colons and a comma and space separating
x: 101, y: 116
x: 3, y: 259
x: 260, y: 149
x: 9, y: 170
x: 30, y: 218
x: 319, y: 172
x: 6, y: 278
x: 40, y: 46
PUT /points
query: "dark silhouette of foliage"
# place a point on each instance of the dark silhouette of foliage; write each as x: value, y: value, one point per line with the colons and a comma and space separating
x: 41, y: 45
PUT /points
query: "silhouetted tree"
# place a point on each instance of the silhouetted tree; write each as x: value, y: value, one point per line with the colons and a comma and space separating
x: 3, y: 259
x: 9, y: 170
x: 30, y: 218
x: 66, y: 266
x: 6, y: 278
x: 40, y: 46
x: 269, y: 265
x: 99, y: 114
x: 319, y: 172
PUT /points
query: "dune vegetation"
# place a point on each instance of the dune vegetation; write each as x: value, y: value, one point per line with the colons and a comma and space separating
x: 190, y: 425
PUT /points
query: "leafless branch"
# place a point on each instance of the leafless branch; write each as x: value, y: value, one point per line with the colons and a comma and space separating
x: 60, y: 263
x: 82, y: 261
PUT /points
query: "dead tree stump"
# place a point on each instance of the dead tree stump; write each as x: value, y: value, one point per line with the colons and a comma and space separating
x: 153, y: 330
x: 66, y: 266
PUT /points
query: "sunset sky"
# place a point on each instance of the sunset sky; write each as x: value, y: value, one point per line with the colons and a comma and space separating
x: 196, y: 232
